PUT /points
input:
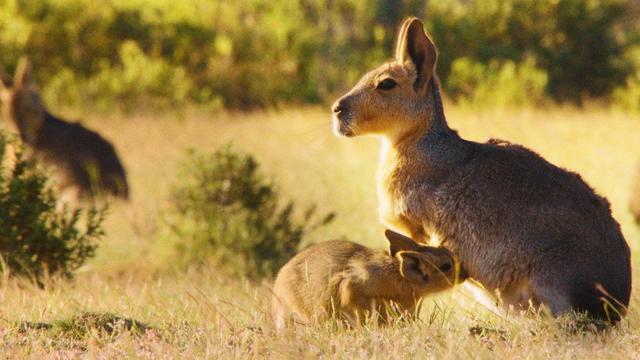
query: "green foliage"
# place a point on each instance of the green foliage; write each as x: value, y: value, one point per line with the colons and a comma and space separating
x: 498, y: 84
x: 243, y: 54
x: 36, y: 240
x: 230, y: 214
x: 627, y: 96
x: 579, y: 44
x: 137, y: 80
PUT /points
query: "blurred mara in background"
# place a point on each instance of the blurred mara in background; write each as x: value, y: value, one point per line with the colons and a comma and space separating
x: 85, y: 164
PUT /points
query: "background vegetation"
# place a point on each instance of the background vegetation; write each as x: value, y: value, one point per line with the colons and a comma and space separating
x: 229, y: 216
x: 256, y: 53
x: 37, y: 239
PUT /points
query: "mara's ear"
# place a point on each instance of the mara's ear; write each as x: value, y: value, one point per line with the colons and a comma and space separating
x: 399, y: 242
x: 411, y: 267
x: 401, y: 38
x: 23, y: 72
x: 414, y: 45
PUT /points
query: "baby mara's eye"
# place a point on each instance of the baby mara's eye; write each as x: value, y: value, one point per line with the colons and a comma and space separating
x: 445, y: 267
x: 386, y: 84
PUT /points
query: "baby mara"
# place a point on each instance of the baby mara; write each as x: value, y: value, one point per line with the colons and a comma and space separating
x: 351, y: 282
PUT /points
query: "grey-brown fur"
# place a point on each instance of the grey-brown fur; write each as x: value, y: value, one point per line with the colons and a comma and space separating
x: 82, y: 158
x: 522, y: 227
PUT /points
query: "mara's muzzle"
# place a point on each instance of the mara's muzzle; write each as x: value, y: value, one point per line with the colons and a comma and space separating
x: 342, y: 118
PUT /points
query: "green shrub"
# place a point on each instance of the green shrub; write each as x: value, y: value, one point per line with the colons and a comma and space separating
x: 137, y: 80
x: 498, y: 84
x: 579, y: 44
x: 36, y: 240
x: 230, y: 215
x: 627, y: 97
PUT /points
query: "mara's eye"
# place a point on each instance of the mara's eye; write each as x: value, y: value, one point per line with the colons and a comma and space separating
x: 386, y: 84
x: 445, y: 267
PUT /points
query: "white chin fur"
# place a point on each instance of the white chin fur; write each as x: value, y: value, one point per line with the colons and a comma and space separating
x: 341, y: 130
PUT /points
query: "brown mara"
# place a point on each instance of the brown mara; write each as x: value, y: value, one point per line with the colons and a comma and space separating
x: 528, y: 231
x: 350, y: 281
x: 85, y: 163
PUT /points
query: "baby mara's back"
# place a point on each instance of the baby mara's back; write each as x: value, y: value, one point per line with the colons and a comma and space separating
x: 303, y: 289
x: 349, y: 280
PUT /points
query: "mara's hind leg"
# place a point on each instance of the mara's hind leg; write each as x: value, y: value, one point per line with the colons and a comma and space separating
x: 281, y: 315
x: 576, y: 292
x: 556, y: 298
x: 599, y: 301
x: 285, y: 317
x: 552, y: 287
x: 576, y: 295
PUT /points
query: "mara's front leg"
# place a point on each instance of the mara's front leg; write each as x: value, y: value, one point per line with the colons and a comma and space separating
x: 353, y: 303
x: 402, y: 225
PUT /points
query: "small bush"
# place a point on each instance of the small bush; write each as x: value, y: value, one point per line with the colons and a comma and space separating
x: 35, y: 239
x: 230, y: 214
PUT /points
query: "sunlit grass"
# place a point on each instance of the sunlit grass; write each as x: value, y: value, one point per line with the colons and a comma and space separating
x: 201, y: 314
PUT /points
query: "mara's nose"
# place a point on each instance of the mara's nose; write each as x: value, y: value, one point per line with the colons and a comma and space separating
x: 337, y: 107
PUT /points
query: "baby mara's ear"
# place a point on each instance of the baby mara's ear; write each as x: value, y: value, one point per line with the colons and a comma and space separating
x: 413, y: 266
x: 399, y: 242
x: 421, y: 268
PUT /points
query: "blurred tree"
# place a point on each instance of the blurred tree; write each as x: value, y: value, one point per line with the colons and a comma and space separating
x: 578, y: 43
x: 390, y: 13
x: 257, y: 53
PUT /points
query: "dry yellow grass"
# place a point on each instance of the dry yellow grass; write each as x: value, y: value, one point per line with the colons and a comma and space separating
x: 198, y: 314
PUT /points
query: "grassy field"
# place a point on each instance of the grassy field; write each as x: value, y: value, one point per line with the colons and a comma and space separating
x: 198, y: 314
